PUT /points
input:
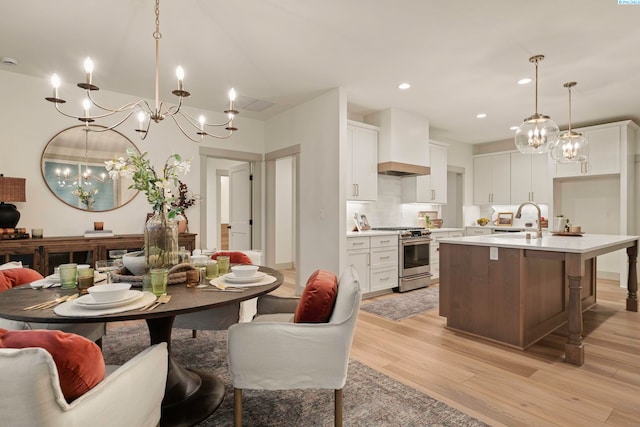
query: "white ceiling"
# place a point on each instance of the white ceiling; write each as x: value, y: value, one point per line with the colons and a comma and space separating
x: 461, y: 57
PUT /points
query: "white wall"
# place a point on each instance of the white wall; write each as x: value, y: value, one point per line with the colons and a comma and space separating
x: 28, y: 122
x: 320, y: 127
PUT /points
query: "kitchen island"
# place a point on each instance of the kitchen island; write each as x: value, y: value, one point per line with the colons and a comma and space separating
x: 515, y: 291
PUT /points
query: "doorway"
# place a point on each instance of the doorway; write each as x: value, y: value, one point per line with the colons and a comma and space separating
x: 452, y: 211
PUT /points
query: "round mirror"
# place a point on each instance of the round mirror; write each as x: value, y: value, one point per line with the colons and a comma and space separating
x: 73, y: 167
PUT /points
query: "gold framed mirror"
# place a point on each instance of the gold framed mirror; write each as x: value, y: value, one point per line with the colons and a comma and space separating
x: 73, y: 168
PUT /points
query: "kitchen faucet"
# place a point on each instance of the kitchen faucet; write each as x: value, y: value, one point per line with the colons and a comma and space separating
x: 519, y: 214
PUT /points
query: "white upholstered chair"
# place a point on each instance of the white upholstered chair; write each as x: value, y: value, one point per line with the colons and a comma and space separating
x: 220, y: 318
x: 129, y: 396
x: 272, y: 353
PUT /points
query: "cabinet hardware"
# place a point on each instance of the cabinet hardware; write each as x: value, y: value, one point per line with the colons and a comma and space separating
x: 385, y: 278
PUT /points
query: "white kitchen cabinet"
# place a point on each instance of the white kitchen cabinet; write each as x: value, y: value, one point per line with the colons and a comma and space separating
x: 362, y: 161
x: 492, y: 179
x: 530, y: 180
x: 604, y: 152
x: 376, y: 261
x: 477, y: 231
x: 429, y: 188
x: 434, y: 250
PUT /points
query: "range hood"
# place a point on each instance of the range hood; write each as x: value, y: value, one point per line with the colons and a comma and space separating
x: 403, y: 142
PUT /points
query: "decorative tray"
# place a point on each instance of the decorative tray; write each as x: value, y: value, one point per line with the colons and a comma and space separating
x: 566, y: 233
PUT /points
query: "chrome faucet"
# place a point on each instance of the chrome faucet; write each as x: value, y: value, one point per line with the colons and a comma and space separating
x: 519, y: 215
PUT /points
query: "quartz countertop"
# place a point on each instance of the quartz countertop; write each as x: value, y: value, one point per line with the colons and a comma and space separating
x: 575, y: 244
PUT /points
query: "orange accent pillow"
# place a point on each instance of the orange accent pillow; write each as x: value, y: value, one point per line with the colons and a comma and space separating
x: 79, y: 361
x: 17, y: 276
x: 318, y: 298
x: 234, y: 257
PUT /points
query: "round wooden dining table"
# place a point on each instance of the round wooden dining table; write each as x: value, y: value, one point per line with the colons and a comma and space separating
x: 190, y: 395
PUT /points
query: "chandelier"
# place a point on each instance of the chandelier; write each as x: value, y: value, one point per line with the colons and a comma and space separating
x: 571, y: 147
x: 79, y: 177
x: 146, y: 113
x: 537, y: 133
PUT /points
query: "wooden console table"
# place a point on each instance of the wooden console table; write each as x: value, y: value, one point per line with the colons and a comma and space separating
x: 44, y: 254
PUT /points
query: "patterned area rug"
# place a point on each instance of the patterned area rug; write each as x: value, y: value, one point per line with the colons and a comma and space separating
x: 370, y: 398
x: 404, y: 305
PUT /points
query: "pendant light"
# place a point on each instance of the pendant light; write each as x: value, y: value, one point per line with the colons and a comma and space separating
x: 538, y: 133
x: 572, y: 147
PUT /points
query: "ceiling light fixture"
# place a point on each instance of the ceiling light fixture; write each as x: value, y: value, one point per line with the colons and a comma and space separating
x: 538, y: 132
x: 524, y: 81
x: 404, y: 86
x: 145, y: 112
x: 572, y: 147
x: 481, y: 115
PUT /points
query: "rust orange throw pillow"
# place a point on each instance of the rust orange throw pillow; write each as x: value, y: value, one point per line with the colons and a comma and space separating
x: 234, y: 257
x: 17, y: 276
x: 318, y: 298
x: 79, y: 361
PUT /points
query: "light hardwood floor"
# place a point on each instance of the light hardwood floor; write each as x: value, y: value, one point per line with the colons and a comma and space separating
x: 507, y: 387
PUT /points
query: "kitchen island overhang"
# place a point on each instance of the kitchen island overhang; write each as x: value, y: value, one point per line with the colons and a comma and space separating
x: 515, y: 291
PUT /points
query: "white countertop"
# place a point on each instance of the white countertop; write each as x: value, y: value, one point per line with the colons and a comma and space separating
x: 574, y: 244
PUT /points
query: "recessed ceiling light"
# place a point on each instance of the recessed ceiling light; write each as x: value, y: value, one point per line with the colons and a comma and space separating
x: 524, y: 81
x: 514, y: 127
x: 404, y: 86
x: 5, y: 60
x: 481, y: 115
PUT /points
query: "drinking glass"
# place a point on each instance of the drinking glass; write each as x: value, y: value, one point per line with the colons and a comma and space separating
x: 223, y: 265
x: 68, y: 275
x: 107, y: 266
x: 85, y: 280
x: 159, y: 278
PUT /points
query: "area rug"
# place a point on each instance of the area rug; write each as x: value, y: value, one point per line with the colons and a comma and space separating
x: 404, y: 305
x: 370, y: 398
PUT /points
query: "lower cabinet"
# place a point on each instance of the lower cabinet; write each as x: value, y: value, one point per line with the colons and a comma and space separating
x: 434, y: 248
x: 376, y: 261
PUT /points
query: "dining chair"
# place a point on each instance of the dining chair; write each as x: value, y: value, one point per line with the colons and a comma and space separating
x: 220, y: 318
x: 274, y: 353
x: 129, y: 396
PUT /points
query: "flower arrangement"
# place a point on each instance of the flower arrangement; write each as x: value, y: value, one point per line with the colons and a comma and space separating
x: 86, y: 197
x: 157, y: 188
x: 185, y: 198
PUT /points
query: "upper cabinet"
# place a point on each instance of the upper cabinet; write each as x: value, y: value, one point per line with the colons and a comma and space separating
x: 604, y: 152
x: 362, y: 161
x: 429, y: 188
x: 492, y: 179
x: 530, y: 180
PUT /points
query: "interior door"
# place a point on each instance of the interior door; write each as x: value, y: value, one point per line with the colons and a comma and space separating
x: 240, y: 207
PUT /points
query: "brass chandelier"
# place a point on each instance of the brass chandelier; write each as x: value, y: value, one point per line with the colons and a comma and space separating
x: 146, y: 113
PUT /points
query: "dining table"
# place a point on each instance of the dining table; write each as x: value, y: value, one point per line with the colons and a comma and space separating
x: 190, y: 395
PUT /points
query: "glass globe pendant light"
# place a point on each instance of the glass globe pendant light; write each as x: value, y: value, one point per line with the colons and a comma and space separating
x: 572, y: 147
x: 538, y: 133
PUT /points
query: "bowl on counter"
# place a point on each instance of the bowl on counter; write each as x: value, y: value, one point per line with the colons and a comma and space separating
x: 436, y: 223
x: 482, y: 221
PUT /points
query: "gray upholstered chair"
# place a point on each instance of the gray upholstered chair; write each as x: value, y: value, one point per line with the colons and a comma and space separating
x: 273, y: 353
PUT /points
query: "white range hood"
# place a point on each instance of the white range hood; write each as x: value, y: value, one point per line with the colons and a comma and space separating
x: 403, y: 142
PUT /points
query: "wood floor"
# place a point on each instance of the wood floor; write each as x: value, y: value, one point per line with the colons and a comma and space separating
x: 506, y: 387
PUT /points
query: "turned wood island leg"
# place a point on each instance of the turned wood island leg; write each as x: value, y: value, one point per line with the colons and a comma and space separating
x: 574, y: 350
x: 632, y: 280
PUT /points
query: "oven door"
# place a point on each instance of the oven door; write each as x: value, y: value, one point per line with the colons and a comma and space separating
x: 414, y: 257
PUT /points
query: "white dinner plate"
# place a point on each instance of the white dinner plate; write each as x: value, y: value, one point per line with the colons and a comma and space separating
x: 232, y: 278
x: 88, y: 302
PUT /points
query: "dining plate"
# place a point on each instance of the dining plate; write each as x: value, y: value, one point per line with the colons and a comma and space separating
x: 88, y: 302
x: 232, y: 278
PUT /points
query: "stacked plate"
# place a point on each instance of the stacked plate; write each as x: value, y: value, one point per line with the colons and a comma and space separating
x: 233, y: 278
x: 88, y: 302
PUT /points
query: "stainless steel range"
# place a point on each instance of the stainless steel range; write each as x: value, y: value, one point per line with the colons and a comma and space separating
x: 414, y: 270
